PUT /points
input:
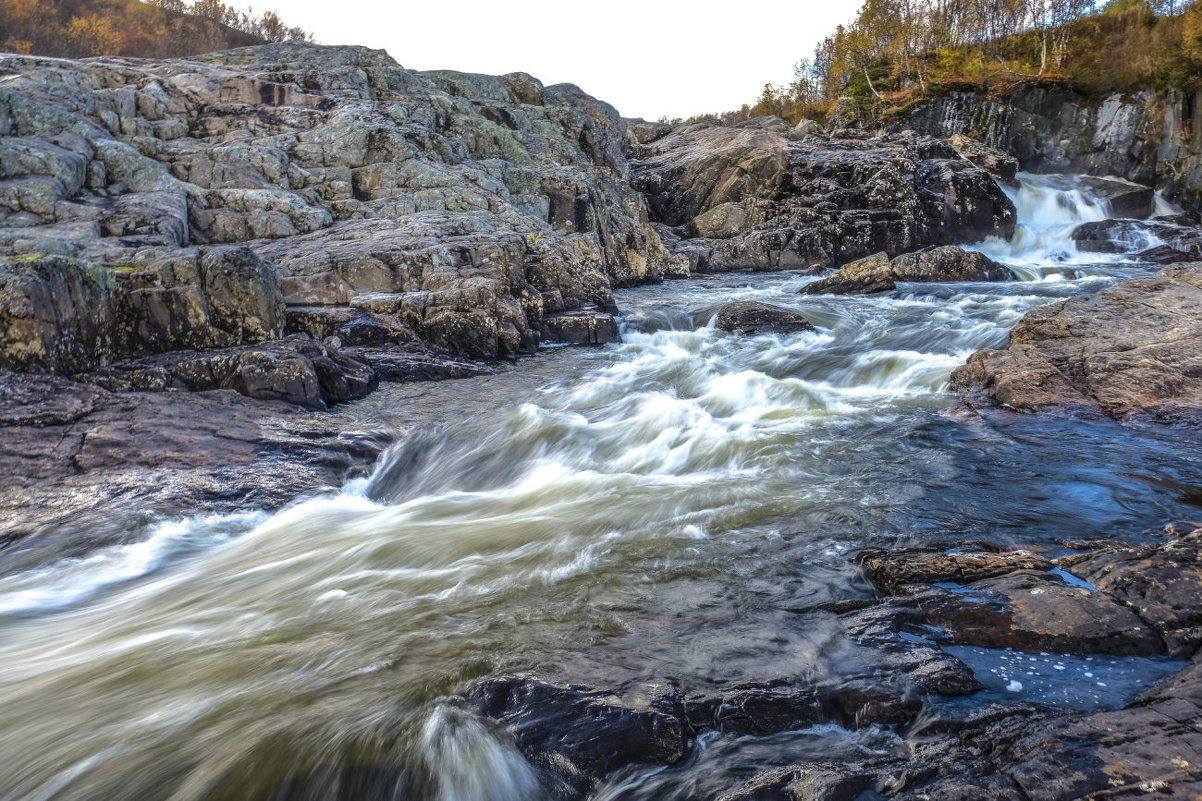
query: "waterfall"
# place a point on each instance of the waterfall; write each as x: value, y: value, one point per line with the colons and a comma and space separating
x: 1049, y: 208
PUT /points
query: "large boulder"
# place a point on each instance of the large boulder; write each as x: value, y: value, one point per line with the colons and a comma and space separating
x: 753, y: 318
x: 877, y: 273
x: 1129, y: 351
x: 760, y: 198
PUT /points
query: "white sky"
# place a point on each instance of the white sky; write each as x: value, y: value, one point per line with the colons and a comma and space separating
x: 647, y: 58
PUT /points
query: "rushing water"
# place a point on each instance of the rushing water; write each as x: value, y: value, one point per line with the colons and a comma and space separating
x: 658, y: 508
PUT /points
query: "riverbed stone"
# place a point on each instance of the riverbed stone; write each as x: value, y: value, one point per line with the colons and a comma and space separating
x: 753, y: 318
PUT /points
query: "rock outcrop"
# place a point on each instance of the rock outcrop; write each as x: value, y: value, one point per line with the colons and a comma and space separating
x: 879, y: 273
x: 477, y: 203
x: 1127, y: 352
x: 760, y: 196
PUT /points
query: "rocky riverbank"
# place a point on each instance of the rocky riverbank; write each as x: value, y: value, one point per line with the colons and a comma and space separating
x: 1128, y: 352
x: 1102, y: 597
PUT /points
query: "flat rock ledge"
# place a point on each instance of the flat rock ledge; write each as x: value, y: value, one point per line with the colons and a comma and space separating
x: 80, y: 465
x: 1129, y: 353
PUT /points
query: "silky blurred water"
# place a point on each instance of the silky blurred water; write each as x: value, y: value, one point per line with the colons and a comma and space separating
x: 658, y: 508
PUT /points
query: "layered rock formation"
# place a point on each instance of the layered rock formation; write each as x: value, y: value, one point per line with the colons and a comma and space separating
x: 763, y: 196
x: 1129, y: 351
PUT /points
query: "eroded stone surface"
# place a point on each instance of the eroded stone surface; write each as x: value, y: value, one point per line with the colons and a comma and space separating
x: 1128, y: 351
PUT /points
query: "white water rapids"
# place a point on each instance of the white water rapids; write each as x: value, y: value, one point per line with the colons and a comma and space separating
x: 653, y: 508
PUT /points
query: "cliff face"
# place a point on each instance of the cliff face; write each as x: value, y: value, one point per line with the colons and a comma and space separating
x: 1152, y: 138
x: 459, y: 209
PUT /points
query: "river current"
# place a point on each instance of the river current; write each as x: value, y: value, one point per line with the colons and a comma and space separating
x: 660, y: 509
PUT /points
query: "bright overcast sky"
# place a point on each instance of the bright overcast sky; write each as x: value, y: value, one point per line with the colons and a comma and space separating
x: 647, y: 58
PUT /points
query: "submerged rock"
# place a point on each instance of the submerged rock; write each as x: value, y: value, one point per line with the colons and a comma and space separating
x: 753, y: 318
x: 878, y: 273
x: 574, y: 736
x: 1128, y: 351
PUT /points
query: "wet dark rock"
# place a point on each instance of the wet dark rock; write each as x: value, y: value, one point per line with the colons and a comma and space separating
x: 413, y: 362
x: 79, y: 463
x: 756, y: 709
x: 576, y: 737
x: 1164, y: 254
x: 1124, y: 199
x: 893, y: 570
x: 582, y: 328
x: 761, y: 198
x: 44, y: 400
x: 306, y: 373
x: 753, y: 318
x: 1126, y: 352
x: 303, y: 372
x: 900, y: 640
x: 1033, y: 611
x: 878, y: 273
x: 1162, y: 583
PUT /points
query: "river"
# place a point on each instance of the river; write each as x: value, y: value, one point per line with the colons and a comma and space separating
x: 657, y: 509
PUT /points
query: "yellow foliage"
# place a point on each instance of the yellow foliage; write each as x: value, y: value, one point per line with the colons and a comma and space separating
x: 90, y: 36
